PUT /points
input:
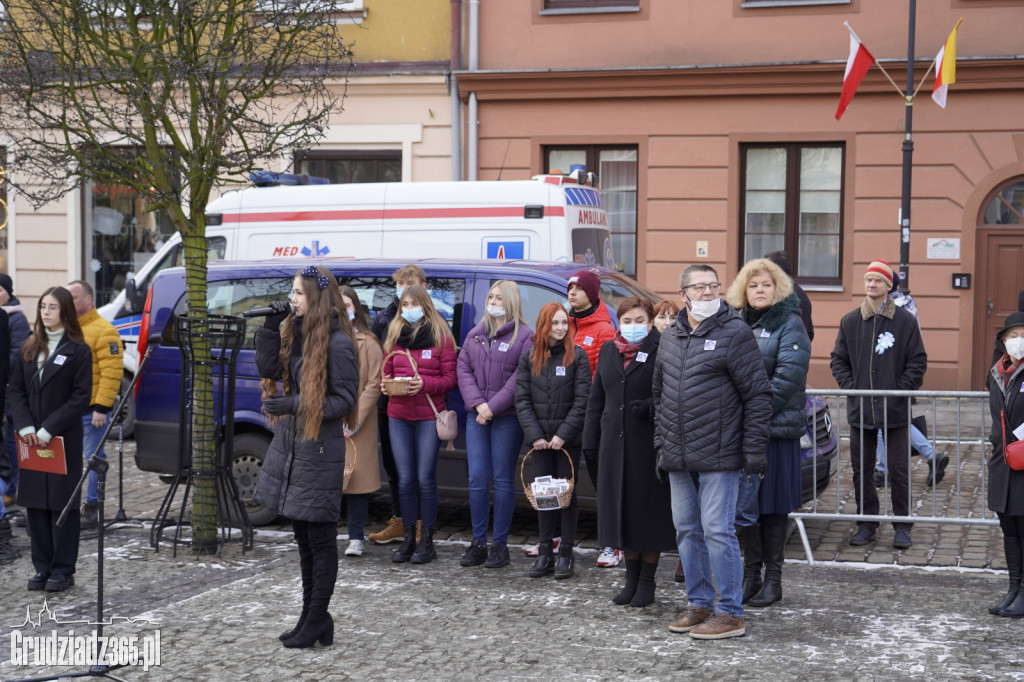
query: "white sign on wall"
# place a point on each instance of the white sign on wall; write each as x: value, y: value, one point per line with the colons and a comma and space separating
x: 943, y: 248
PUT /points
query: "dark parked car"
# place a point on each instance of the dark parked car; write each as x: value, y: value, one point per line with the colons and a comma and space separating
x: 819, y: 448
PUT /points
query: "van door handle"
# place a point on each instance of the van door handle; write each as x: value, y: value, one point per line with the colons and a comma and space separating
x: 989, y: 307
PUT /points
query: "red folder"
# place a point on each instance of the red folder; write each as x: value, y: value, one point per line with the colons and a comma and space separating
x: 49, y: 459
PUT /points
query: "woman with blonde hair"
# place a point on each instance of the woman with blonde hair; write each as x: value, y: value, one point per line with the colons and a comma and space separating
x: 763, y: 295
x: 310, y: 351
x: 487, y: 379
x: 421, y: 348
x: 361, y: 425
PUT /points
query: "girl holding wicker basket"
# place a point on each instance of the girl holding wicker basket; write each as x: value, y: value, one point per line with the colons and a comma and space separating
x: 419, y: 370
x: 552, y: 384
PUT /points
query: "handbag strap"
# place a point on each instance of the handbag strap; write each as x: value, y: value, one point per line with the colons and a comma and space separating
x: 1002, y: 420
x: 436, y: 413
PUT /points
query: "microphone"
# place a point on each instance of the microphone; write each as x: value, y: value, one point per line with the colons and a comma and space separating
x: 263, y: 312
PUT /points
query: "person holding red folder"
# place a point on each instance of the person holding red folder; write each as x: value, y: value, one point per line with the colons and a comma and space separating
x: 49, y: 391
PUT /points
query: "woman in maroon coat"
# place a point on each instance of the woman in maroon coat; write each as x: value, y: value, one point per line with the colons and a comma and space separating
x: 418, y: 335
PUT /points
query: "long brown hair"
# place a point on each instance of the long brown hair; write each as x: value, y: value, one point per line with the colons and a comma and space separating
x: 323, y: 307
x: 38, y: 342
x: 541, y: 349
x: 361, y: 321
x: 438, y: 326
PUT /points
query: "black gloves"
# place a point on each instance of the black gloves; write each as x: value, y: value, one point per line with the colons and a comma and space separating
x: 282, y: 310
x: 279, y: 405
x: 755, y: 465
x: 642, y: 409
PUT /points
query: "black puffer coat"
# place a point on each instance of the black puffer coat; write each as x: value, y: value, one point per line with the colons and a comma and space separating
x: 55, y: 403
x: 879, y: 351
x: 553, y: 404
x: 786, y: 350
x: 302, y: 479
x: 634, y: 507
x: 714, y: 402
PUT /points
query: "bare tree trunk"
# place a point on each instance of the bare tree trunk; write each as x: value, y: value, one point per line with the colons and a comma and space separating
x: 204, y: 428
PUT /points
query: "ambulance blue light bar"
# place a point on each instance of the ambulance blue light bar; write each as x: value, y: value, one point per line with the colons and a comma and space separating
x: 263, y: 178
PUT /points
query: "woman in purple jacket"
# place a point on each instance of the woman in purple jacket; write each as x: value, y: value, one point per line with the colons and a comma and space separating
x: 487, y: 378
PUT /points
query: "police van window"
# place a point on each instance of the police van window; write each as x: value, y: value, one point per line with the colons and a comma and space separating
x: 233, y: 297
x: 377, y: 292
x: 534, y: 297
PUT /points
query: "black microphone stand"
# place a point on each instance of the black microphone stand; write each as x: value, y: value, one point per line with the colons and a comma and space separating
x: 100, y: 466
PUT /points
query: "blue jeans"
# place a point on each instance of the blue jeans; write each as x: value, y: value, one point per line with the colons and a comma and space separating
x: 358, y: 507
x: 918, y: 441
x: 415, y: 446
x: 92, y: 440
x: 492, y: 451
x: 3, y: 491
x: 747, y: 507
x: 12, y: 455
x: 703, y: 510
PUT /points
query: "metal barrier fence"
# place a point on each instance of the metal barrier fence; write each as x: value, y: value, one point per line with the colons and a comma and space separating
x: 958, y: 425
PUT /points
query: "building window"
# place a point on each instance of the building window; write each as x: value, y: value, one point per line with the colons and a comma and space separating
x: 344, y: 167
x: 792, y: 198
x: 1007, y: 206
x: 5, y: 266
x: 589, y: 4
x: 616, y: 169
x: 121, y: 235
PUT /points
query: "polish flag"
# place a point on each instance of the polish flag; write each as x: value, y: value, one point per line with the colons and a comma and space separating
x: 945, y: 68
x: 857, y: 65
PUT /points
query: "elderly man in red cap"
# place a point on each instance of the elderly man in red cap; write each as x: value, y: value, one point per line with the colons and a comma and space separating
x: 879, y: 348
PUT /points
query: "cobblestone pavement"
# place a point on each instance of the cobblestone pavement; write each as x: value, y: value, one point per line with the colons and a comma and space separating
x: 870, y: 614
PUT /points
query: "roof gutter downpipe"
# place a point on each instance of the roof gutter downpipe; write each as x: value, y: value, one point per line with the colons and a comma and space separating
x: 472, y: 127
x: 453, y: 85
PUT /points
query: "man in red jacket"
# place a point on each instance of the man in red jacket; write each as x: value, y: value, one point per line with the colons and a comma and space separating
x: 591, y: 327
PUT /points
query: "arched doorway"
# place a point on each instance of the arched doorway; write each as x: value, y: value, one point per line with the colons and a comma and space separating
x: 1000, y: 272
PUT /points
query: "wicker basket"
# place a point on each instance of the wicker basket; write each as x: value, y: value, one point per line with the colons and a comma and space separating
x: 564, y: 497
x: 397, y: 386
x: 349, y: 468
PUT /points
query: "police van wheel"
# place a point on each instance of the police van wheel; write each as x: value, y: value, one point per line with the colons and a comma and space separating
x: 250, y: 449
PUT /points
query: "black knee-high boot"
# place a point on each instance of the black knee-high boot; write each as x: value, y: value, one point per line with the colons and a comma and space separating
x: 632, y: 580
x: 319, y: 626
x: 773, y: 547
x: 1015, y: 609
x: 645, y: 585
x: 306, y: 570
x: 1012, y: 550
x: 750, y: 543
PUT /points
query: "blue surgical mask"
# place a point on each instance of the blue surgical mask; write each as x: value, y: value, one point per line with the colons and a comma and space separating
x: 412, y: 315
x: 634, y: 333
x: 398, y: 292
x: 351, y: 314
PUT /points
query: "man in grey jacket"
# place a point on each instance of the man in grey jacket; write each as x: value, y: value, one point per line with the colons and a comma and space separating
x: 713, y: 418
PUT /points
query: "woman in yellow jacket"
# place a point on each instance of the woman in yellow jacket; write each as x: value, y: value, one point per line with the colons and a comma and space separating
x: 361, y: 425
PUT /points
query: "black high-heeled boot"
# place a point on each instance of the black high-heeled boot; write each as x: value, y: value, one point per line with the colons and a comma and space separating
x: 750, y: 543
x: 319, y: 625
x: 425, y: 551
x: 408, y: 547
x: 632, y: 580
x: 773, y: 541
x: 1012, y: 550
x: 545, y: 563
x: 306, y: 570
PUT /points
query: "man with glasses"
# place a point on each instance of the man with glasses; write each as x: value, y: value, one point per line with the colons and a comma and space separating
x: 712, y: 419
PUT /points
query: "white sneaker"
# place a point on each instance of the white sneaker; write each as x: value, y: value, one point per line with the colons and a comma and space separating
x: 609, y: 557
x: 355, y: 548
x: 531, y: 550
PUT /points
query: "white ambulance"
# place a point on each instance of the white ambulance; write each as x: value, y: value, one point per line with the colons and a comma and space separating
x: 551, y: 217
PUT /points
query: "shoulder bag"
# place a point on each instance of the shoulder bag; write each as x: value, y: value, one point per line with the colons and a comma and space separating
x: 1013, y: 452
x: 448, y: 424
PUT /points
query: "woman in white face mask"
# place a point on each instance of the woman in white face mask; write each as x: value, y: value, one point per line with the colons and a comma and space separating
x: 634, y: 507
x: 1006, y: 485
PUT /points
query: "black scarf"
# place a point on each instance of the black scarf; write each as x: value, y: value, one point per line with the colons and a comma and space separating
x: 754, y: 315
x: 583, y: 313
x: 421, y: 336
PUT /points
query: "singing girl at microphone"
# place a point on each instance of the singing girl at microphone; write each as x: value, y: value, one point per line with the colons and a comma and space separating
x: 311, y: 352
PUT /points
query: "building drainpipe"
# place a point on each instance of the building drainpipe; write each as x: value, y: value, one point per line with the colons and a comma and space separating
x: 456, y: 64
x: 473, y: 131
